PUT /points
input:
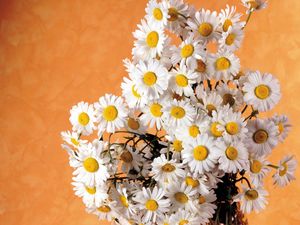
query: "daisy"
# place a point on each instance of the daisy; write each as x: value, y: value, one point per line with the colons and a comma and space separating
x: 211, y: 102
x: 258, y: 170
x: 229, y: 18
x: 181, y: 196
x: 83, y: 118
x: 216, y: 128
x: 262, y: 136
x: 262, y: 91
x: 179, y: 113
x: 166, y: 171
x: 106, y: 211
x: 231, y: 96
x: 134, y: 124
x: 152, y: 203
x: 283, y: 125
x: 286, y: 171
x: 178, y: 12
x: 175, y: 147
x: 200, y: 154
x: 150, y: 41
x: 72, y: 139
x: 205, y: 205
x: 223, y: 65
x: 124, y: 204
x: 233, y: 156
x: 201, y: 68
x: 184, y: 217
x: 73, y: 161
x: 157, y: 13
x: 153, y: 114
x: 91, y: 195
x: 205, y: 25
x: 252, y: 199
x: 254, y: 5
x: 111, y: 113
x: 90, y: 168
x: 131, y: 159
x: 182, y: 79
x: 232, y: 39
x: 151, y: 79
x: 197, y: 182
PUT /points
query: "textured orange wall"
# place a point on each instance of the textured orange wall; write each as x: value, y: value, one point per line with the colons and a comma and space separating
x: 55, y: 53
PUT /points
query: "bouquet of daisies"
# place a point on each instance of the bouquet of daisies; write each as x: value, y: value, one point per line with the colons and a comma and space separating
x: 185, y: 143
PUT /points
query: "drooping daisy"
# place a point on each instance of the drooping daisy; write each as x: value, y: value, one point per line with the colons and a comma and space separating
x: 201, y: 68
x: 184, y: 217
x: 231, y: 96
x: 178, y: 11
x: 197, y: 182
x: 182, y: 79
x: 205, y: 205
x: 106, y: 211
x: 179, y: 113
x: 262, y: 91
x: 91, y: 196
x: 229, y: 18
x: 254, y: 5
x: 73, y: 139
x: 134, y: 124
x: 262, y: 136
x: 175, y: 147
x: 150, y: 41
x: 83, y: 118
x: 151, y: 79
x: 283, y: 125
x: 90, y: 168
x: 153, y: 114
x: 252, y: 199
x: 233, y: 156
x: 131, y: 159
x: 200, y: 154
x: 205, y: 25
x: 216, y: 128
x: 258, y: 170
x: 286, y: 171
x: 124, y: 204
x: 232, y: 39
x: 223, y: 65
x: 152, y: 203
x: 211, y: 102
x: 111, y: 113
x: 157, y: 13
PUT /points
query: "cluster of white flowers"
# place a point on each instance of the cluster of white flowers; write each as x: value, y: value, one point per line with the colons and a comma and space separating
x: 187, y: 118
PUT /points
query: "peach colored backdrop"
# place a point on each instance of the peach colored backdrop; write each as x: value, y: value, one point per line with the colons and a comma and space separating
x: 56, y: 53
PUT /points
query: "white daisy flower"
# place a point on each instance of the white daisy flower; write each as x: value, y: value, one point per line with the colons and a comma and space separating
x: 231, y: 96
x: 197, y: 182
x: 175, y: 147
x: 150, y: 41
x: 90, y: 168
x: 182, y: 79
x: 200, y: 154
x: 254, y: 5
x: 205, y: 206
x: 205, y: 25
x: 262, y: 91
x: 211, y: 102
x: 229, y: 18
x: 166, y: 171
x: 223, y: 65
x: 178, y: 12
x: 124, y: 204
x: 258, y: 170
x: 232, y: 39
x: 252, y: 199
x: 106, y: 211
x: 283, y: 125
x: 72, y: 139
x: 262, y: 136
x: 131, y: 159
x: 153, y: 114
x: 216, y: 128
x: 157, y: 13
x: 286, y: 171
x: 184, y: 217
x: 152, y: 203
x: 151, y: 79
x: 233, y: 156
x: 201, y: 68
x: 134, y: 124
x: 91, y: 196
x: 111, y: 113
x: 83, y: 118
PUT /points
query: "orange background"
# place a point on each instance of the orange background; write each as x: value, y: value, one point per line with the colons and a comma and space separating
x: 56, y: 53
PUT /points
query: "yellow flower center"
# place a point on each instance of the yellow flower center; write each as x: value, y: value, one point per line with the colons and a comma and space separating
x: 201, y: 199
x: 280, y: 127
x: 74, y: 141
x: 260, y: 136
x: 231, y: 153
x: 157, y: 14
x: 183, y: 222
x: 152, y: 39
x: 232, y: 128
x: 228, y: 99
x: 222, y: 63
x: 173, y: 14
x: 200, y: 153
x: 83, y: 118
x: 177, y: 112
x: 134, y: 92
x: 284, y: 170
x: 251, y: 195
x: 187, y: 51
x: 181, y: 80
x: 149, y: 78
x: 194, y: 131
x: 168, y: 168
x: 126, y: 156
x: 155, y: 110
x: 262, y: 91
x: 177, y: 145
x: 214, y: 130
x: 191, y: 182
x: 91, y: 165
x: 104, y: 209
x: 133, y: 124
x: 227, y: 24
x: 255, y: 166
x: 124, y: 201
x: 90, y: 190
x: 230, y: 39
x: 181, y: 197
x: 110, y: 113
x: 201, y: 66
x: 205, y: 29
x: 151, y: 205
x: 210, y: 108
